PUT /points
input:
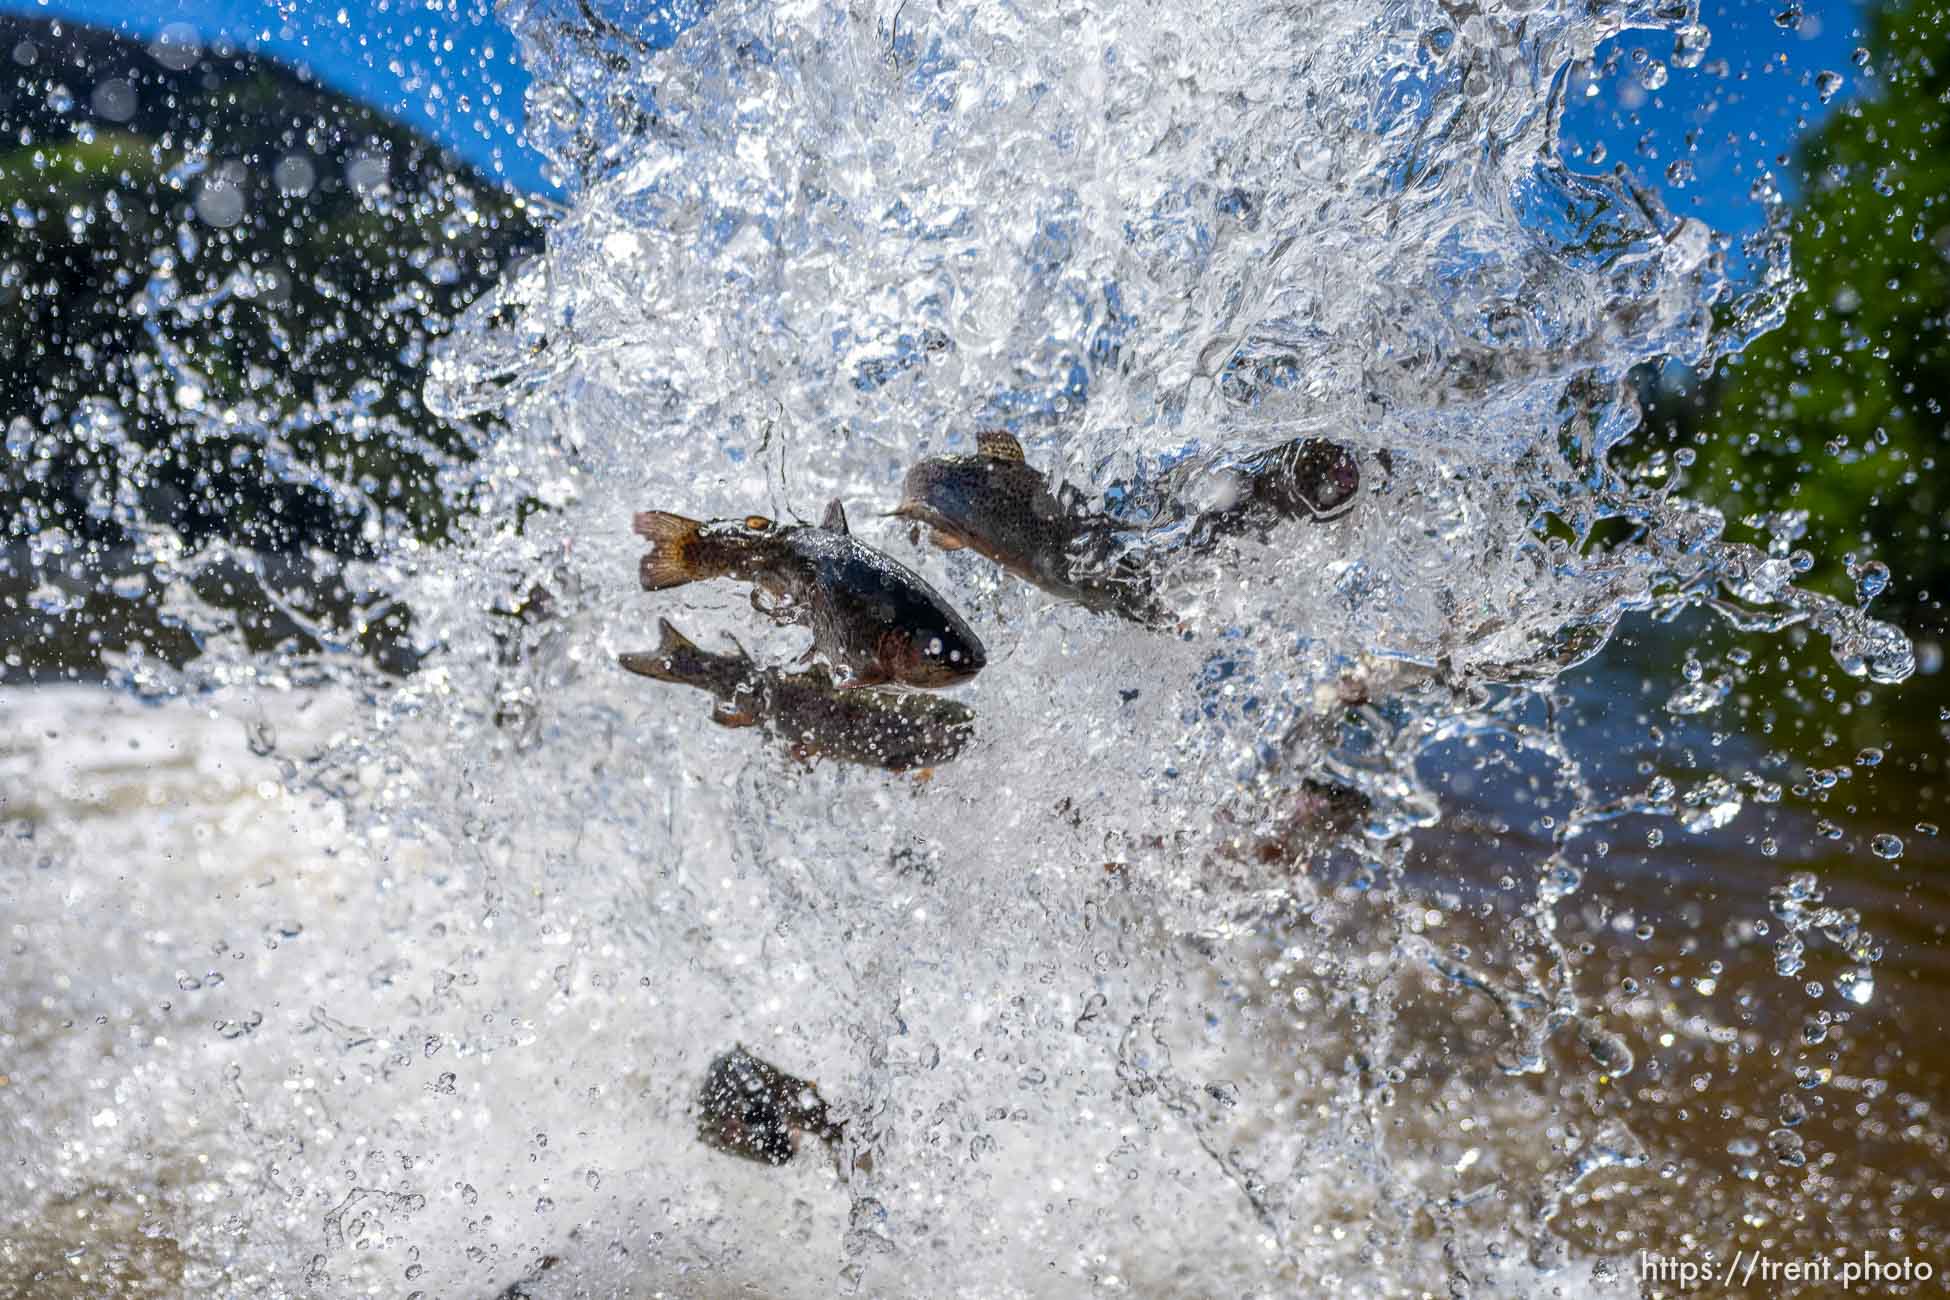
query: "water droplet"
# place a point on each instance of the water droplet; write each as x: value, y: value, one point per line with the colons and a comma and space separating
x: 1710, y: 805
x: 1698, y: 697
x: 1887, y: 846
x: 1653, y: 75
x: 1827, y: 84
x: 1871, y: 579
x: 1786, y: 1146
x: 1609, y: 1050
x: 1689, y: 45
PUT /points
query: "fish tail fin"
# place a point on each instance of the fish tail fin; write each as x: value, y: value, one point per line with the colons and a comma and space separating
x: 674, y: 557
x: 676, y: 658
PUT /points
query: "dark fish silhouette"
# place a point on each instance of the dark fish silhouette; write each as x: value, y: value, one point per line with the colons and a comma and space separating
x: 995, y: 504
x: 896, y: 730
x: 1307, y: 478
x: 873, y: 618
x: 752, y: 1109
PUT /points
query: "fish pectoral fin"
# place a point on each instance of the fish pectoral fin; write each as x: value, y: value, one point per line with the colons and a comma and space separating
x: 835, y: 518
x: 998, y: 444
x: 734, y: 715
x: 806, y: 658
x: 945, y: 541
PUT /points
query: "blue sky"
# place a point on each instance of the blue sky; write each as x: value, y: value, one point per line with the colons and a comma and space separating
x: 446, y: 66
x: 1733, y: 115
x: 443, y: 65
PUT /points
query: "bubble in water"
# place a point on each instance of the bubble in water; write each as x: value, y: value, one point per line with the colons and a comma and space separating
x: 1887, y: 846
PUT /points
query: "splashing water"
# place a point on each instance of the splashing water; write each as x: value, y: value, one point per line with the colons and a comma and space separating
x: 1082, y: 1033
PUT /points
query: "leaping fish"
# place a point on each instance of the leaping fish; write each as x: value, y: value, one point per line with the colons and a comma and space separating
x: 752, y: 1109
x: 994, y: 503
x: 896, y: 730
x: 874, y: 619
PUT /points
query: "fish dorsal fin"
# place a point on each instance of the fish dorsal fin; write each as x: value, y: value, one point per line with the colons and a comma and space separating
x: 998, y: 444
x: 835, y: 519
x: 743, y: 654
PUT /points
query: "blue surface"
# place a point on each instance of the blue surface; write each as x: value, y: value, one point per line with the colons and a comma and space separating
x: 447, y: 67
x: 1733, y: 117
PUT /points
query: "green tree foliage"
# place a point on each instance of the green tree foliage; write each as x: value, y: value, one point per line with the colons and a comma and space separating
x: 1840, y: 412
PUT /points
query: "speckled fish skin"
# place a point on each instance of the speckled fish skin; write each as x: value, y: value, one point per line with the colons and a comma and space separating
x: 894, y: 730
x: 1304, y: 479
x: 872, y: 618
x: 752, y: 1109
x: 997, y: 505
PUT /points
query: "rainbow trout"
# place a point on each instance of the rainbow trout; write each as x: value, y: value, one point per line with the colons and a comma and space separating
x: 874, y: 619
x: 806, y: 712
x: 993, y: 502
x: 997, y: 505
x: 754, y: 1110
x: 1306, y: 479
